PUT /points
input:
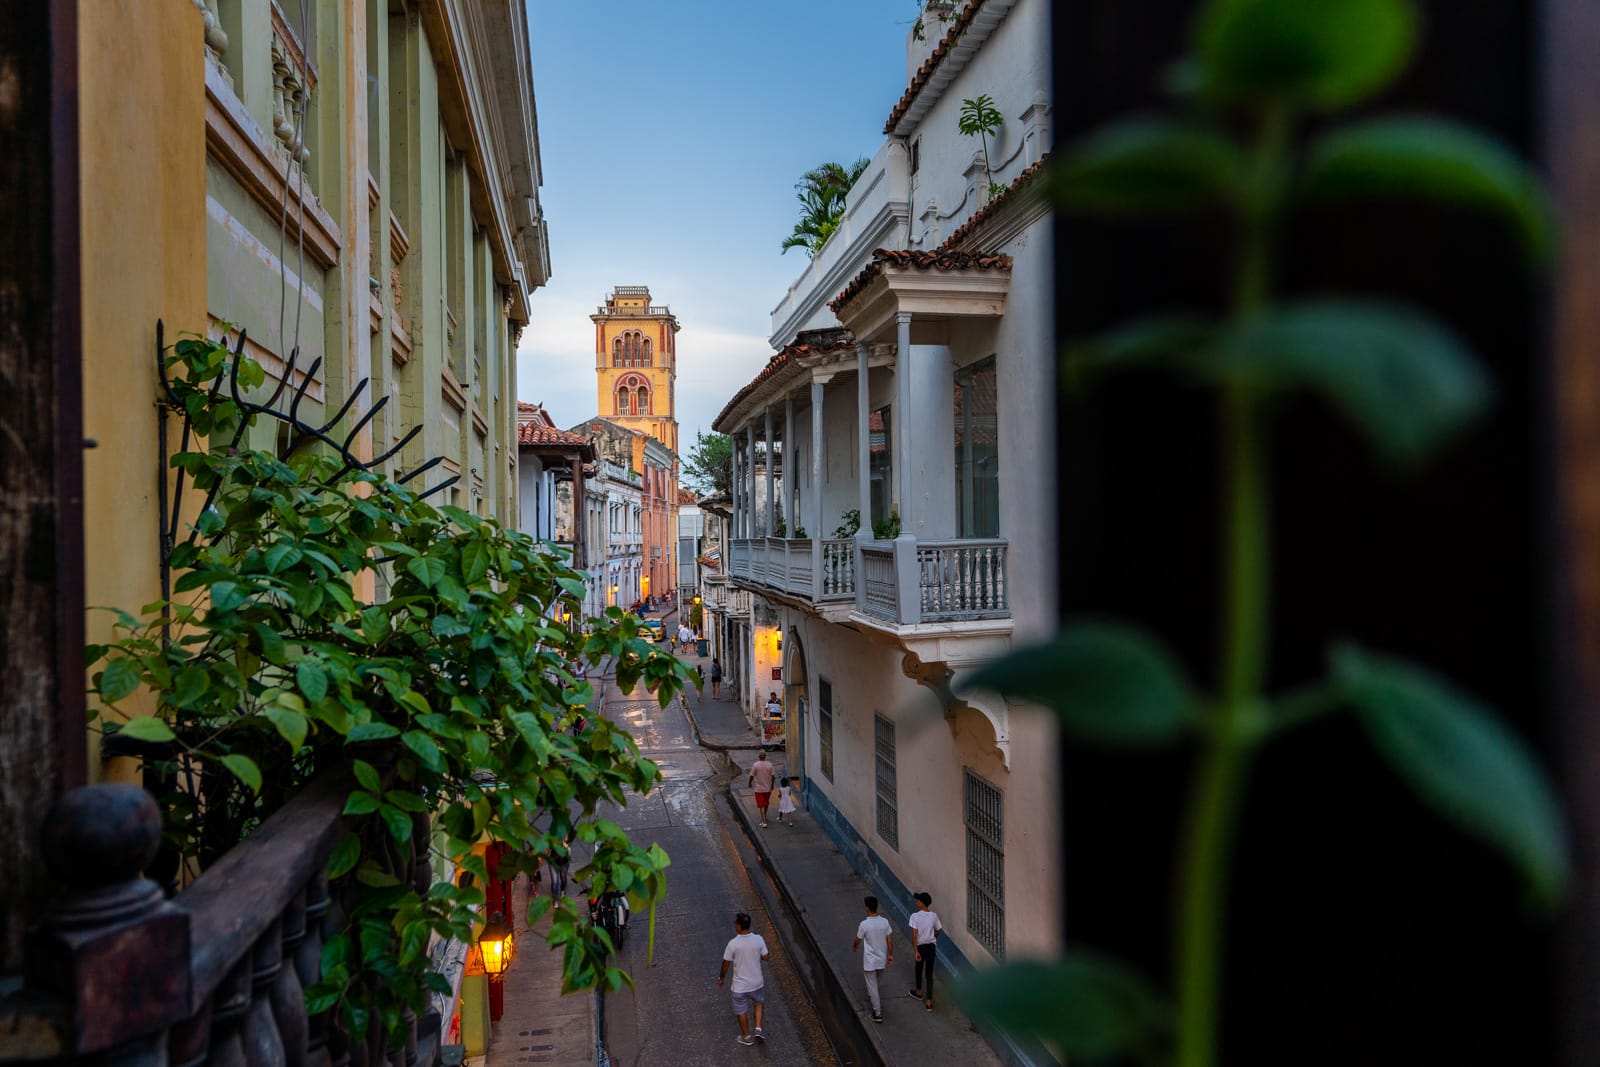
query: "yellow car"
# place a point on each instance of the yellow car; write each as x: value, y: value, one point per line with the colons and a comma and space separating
x: 651, y: 630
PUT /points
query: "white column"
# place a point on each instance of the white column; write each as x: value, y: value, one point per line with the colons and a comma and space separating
x: 750, y: 487
x: 814, y: 496
x: 771, y: 463
x: 902, y: 419
x: 863, y: 444
x: 789, y: 481
x: 735, y: 492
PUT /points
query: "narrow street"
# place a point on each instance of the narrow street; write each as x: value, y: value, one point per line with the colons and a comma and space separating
x: 676, y: 1014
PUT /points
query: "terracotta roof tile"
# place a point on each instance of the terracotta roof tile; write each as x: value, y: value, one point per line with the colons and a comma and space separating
x: 989, y: 210
x: 685, y: 496
x: 532, y: 433
x: 919, y: 81
x: 936, y: 259
x: 806, y: 342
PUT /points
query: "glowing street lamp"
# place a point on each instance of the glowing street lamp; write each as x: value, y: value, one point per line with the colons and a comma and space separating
x: 496, y: 944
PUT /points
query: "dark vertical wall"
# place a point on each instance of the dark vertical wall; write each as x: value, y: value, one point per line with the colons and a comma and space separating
x: 42, y: 748
x: 1362, y: 929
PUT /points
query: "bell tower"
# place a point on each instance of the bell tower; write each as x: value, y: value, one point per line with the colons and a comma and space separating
x: 636, y: 363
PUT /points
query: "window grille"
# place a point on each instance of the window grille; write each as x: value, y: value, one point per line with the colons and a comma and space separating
x: 825, y: 726
x: 985, y: 864
x: 888, y: 812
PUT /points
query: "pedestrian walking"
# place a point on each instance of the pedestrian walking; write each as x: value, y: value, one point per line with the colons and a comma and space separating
x: 925, y: 927
x: 559, y: 865
x: 878, y: 938
x: 763, y: 775
x: 716, y: 679
x: 685, y: 637
x: 744, y: 954
x: 786, y: 801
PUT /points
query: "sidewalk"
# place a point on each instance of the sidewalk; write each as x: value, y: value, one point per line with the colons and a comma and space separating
x: 718, y: 724
x: 825, y: 892
x: 539, y: 1024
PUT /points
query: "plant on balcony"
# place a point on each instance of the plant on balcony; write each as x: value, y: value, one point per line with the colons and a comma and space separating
x: 980, y: 118
x: 800, y: 532
x: 849, y: 524
x: 887, y: 529
x: 1262, y: 69
x: 452, y: 696
x: 822, y: 192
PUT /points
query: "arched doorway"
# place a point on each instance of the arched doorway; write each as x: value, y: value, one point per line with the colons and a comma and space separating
x: 796, y: 708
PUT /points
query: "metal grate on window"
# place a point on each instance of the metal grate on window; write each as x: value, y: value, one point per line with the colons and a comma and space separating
x: 825, y: 726
x: 985, y: 864
x: 888, y: 811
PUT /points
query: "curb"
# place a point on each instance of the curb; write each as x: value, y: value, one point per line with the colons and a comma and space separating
x: 840, y: 984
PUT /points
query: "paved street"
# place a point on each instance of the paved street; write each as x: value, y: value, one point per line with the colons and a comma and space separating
x: 677, y: 1015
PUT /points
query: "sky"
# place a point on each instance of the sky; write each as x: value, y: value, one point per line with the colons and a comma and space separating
x: 671, y: 136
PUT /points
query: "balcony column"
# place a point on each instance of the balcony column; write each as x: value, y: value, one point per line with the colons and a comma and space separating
x: 772, y: 461
x: 863, y: 467
x: 902, y: 421
x: 750, y: 486
x: 907, y: 573
x: 790, y: 483
x: 814, y: 497
x: 734, y: 492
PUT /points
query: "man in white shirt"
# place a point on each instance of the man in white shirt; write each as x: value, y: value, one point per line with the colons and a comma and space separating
x: 745, y: 953
x: 925, y: 927
x: 878, y: 937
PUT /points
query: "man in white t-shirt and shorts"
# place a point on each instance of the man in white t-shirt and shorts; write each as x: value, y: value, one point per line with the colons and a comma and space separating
x: 744, y: 954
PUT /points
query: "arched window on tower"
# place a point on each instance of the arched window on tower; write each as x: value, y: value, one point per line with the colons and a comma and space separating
x: 616, y: 352
x: 646, y: 362
x: 622, y: 400
x: 644, y: 398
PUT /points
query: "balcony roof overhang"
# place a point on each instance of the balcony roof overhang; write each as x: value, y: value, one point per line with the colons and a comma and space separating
x: 928, y: 286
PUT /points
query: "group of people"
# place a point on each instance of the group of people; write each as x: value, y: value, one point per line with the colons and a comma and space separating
x: 874, y: 938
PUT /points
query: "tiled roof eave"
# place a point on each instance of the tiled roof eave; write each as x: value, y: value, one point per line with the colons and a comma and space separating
x: 966, y: 34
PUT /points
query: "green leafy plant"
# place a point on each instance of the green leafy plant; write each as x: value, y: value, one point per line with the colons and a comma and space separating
x: 822, y: 192
x: 799, y: 532
x: 887, y: 529
x: 944, y: 11
x: 980, y: 118
x: 1399, y: 377
x: 849, y: 523
x: 779, y: 527
x: 697, y: 617
x: 708, y: 466
x: 452, y: 696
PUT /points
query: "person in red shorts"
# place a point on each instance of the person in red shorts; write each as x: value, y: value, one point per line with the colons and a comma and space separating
x: 763, y: 776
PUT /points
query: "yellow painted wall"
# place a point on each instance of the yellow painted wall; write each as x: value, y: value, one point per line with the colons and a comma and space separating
x: 142, y: 149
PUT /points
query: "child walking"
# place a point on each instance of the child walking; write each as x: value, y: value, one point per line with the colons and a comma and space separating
x: 786, y: 801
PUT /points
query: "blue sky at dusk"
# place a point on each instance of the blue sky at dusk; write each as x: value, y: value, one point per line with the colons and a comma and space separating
x: 671, y: 137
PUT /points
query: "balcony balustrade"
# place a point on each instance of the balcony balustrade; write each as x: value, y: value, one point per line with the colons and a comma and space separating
x: 897, y: 582
x: 214, y: 975
x: 962, y: 580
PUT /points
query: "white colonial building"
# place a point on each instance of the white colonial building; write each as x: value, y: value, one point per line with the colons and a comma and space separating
x: 905, y: 431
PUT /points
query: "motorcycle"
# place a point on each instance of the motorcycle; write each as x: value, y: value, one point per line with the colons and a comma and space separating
x: 609, y: 911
